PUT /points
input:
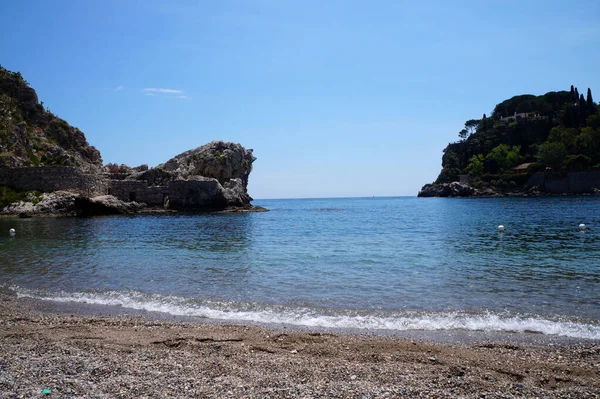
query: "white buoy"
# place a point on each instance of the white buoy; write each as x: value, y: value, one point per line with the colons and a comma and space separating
x: 12, y: 232
x: 501, y: 229
x: 582, y: 226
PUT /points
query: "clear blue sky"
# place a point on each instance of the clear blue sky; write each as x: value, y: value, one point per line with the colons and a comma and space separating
x: 337, y: 98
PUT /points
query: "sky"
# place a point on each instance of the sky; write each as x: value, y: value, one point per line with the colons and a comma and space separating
x: 336, y: 98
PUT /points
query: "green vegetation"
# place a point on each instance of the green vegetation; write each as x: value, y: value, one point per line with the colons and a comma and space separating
x: 9, y: 196
x: 557, y: 131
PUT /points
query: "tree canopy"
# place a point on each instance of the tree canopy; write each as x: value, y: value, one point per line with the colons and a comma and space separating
x: 557, y: 131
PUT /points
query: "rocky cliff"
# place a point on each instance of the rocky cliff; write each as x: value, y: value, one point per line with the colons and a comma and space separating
x: 32, y: 136
x: 41, y: 154
x: 229, y: 163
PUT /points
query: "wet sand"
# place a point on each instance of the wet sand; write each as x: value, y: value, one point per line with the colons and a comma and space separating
x: 130, y: 356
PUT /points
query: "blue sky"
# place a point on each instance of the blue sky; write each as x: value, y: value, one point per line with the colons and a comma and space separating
x: 337, y: 98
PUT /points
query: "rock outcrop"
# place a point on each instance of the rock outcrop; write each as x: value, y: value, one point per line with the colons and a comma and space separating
x: 229, y: 163
x: 58, y: 203
x: 65, y: 203
x: 105, y: 205
x: 134, y: 189
x: 454, y: 189
x: 213, y: 176
x: 40, y: 152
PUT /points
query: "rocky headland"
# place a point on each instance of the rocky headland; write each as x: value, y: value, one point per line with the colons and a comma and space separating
x: 457, y: 189
x: 529, y: 145
x: 47, y: 168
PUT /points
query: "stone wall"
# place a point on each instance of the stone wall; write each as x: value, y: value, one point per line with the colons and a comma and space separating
x: 583, y: 181
x: 138, y: 190
x: 537, y: 179
x: 573, y: 183
x: 53, y: 178
x: 198, y: 192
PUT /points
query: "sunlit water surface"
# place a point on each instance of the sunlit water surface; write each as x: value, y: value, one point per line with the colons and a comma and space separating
x: 363, y: 263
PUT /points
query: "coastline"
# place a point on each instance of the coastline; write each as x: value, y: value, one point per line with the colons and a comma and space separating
x: 131, y: 355
x: 142, y: 211
x: 464, y: 190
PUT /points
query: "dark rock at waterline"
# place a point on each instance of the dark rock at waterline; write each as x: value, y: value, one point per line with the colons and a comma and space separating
x: 454, y: 189
x: 57, y: 203
x: 104, y: 205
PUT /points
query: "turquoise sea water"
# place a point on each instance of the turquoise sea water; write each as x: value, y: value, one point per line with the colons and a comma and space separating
x: 392, y: 264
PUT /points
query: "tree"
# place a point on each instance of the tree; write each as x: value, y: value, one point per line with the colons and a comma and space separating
x: 471, y: 125
x: 564, y: 136
x: 582, y: 108
x: 577, y: 162
x: 584, y: 142
x: 475, y: 166
x: 450, y: 159
x: 505, y: 156
x: 552, y: 154
x: 572, y: 93
x: 593, y: 121
x: 589, y: 101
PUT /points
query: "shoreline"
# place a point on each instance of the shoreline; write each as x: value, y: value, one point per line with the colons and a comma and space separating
x: 75, y: 354
x: 152, y: 211
x: 450, y: 336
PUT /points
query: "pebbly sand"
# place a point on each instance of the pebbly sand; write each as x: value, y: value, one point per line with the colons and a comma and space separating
x: 100, y: 356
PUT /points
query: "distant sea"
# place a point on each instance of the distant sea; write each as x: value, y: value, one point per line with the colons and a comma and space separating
x: 370, y: 264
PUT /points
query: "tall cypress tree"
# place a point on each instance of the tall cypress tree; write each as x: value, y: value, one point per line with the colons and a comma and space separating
x: 573, y: 93
x: 576, y: 95
x: 582, y: 109
x: 590, y: 101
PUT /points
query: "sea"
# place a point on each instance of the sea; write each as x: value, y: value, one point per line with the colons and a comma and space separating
x: 388, y: 265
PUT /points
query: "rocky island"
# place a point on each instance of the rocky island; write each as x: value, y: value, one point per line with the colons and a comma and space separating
x: 529, y: 146
x: 47, y: 167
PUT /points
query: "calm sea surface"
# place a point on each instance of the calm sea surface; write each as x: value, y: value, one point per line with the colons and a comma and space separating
x: 392, y: 264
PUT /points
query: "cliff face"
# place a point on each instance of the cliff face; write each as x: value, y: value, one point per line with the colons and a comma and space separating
x: 219, y: 160
x: 41, y: 153
x: 229, y: 163
x: 33, y: 136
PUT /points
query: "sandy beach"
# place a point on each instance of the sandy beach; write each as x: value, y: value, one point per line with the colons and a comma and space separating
x: 98, y: 356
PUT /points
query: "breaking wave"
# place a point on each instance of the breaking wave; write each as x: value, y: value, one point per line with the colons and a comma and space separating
x: 306, y: 317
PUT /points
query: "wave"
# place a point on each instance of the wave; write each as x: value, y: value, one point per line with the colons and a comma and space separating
x: 306, y: 317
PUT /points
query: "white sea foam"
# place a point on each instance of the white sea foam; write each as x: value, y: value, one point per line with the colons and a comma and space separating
x: 488, y: 321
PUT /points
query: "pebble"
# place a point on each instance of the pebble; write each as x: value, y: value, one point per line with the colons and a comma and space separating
x: 58, y: 356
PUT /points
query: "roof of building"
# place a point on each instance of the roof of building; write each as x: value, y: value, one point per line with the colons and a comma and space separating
x: 522, y: 166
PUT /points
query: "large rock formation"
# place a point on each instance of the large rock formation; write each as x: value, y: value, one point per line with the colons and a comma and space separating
x: 219, y: 160
x: 42, y: 155
x: 32, y: 136
x: 228, y: 164
x: 213, y: 176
